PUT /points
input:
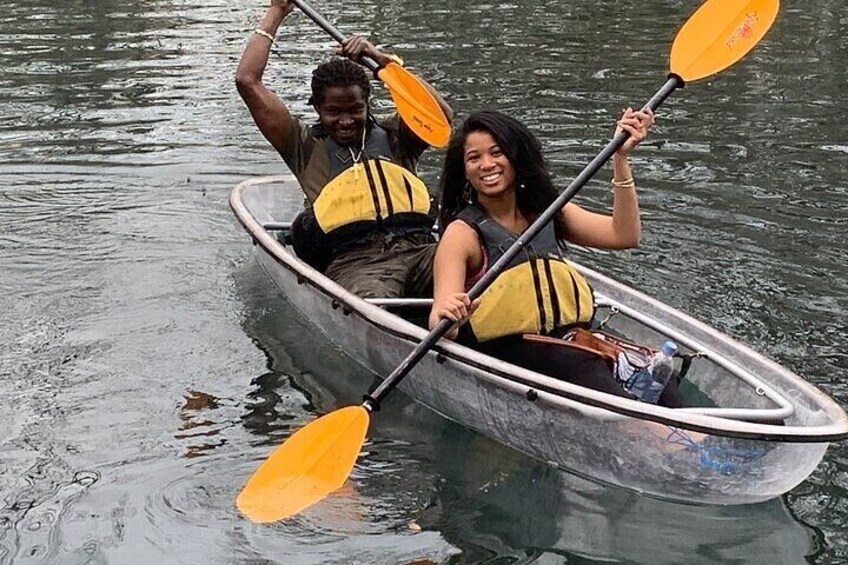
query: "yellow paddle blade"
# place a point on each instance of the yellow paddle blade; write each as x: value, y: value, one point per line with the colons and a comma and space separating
x: 312, y: 463
x: 718, y: 34
x: 416, y: 105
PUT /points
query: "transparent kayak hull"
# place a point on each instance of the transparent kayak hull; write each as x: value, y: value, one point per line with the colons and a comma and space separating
x: 765, y: 431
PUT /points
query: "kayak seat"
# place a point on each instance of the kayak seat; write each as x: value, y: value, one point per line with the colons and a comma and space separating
x: 580, y: 349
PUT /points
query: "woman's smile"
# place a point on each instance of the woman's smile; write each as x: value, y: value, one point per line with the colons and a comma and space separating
x: 488, y: 179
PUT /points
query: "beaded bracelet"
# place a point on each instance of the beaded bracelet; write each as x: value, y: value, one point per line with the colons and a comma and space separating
x: 264, y: 34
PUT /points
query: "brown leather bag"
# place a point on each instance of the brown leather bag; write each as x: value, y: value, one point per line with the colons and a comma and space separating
x: 584, y: 345
x: 610, y: 345
x: 606, y: 346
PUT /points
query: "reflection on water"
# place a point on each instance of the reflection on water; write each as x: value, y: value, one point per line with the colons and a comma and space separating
x: 496, y: 504
x: 197, y: 425
x: 147, y: 366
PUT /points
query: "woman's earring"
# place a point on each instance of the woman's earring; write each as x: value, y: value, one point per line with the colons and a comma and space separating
x: 468, y: 193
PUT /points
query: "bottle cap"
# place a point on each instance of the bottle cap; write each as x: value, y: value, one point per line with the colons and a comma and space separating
x: 669, y: 348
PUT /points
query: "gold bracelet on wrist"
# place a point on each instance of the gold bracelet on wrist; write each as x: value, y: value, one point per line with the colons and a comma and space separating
x: 627, y: 183
x: 265, y: 34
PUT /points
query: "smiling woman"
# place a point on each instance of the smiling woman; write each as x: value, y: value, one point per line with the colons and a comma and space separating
x: 495, y: 183
x: 488, y: 169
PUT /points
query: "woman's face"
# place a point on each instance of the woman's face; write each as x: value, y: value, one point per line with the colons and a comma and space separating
x: 487, y: 167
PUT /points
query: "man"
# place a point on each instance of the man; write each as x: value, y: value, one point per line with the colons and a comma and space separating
x: 367, y: 225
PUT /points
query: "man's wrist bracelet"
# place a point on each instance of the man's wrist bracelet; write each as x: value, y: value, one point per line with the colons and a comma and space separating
x: 265, y: 34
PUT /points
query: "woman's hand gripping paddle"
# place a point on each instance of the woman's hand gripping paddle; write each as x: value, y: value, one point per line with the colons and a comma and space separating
x: 319, y: 458
x: 414, y: 102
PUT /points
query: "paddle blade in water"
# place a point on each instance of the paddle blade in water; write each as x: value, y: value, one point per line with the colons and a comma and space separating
x: 416, y: 105
x: 311, y: 464
x: 718, y: 34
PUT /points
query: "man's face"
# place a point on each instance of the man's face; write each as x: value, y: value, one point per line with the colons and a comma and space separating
x: 343, y: 112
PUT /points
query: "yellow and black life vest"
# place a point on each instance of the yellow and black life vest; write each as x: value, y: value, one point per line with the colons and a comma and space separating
x: 537, y: 293
x: 370, y: 190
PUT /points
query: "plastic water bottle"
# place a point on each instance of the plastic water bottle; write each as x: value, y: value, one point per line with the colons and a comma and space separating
x: 660, y: 369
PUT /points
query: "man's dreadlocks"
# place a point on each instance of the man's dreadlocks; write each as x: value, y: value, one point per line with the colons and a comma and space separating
x: 338, y: 72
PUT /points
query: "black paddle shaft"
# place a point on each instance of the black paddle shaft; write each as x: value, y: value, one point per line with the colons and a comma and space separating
x: 372, y: 401
x: 331, y: 29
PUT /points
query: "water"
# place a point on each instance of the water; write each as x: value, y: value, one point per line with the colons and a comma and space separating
x: 147, y: 366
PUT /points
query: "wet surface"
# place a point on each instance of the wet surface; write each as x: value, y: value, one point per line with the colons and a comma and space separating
x: 147, y: 366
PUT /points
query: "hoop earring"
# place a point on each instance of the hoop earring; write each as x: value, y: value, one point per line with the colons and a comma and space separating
x: 468, y: 193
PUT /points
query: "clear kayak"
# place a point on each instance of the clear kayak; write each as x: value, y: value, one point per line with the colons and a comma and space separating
x: 756, y: 431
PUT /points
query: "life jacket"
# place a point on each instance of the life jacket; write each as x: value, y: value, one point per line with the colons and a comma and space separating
x: 371, y: 191
x: 537, y: 293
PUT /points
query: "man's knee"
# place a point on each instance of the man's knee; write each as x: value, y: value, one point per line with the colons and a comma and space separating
x: 374, y: 287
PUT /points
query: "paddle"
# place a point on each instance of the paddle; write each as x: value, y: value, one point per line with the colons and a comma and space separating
x: 319, y: 457
x: 414, y: 102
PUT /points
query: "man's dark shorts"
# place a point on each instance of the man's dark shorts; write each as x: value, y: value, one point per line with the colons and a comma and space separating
x: 387, y: 266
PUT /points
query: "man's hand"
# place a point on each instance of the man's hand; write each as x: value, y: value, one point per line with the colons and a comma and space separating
x: 356, y: 47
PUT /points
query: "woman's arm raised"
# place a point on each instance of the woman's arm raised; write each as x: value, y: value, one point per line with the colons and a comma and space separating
x: 623, y: 229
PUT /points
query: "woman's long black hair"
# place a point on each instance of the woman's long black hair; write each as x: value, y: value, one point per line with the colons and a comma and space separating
x: 525, y: 155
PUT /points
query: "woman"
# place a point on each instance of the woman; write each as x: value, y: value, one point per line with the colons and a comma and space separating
x: 495, y: 182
